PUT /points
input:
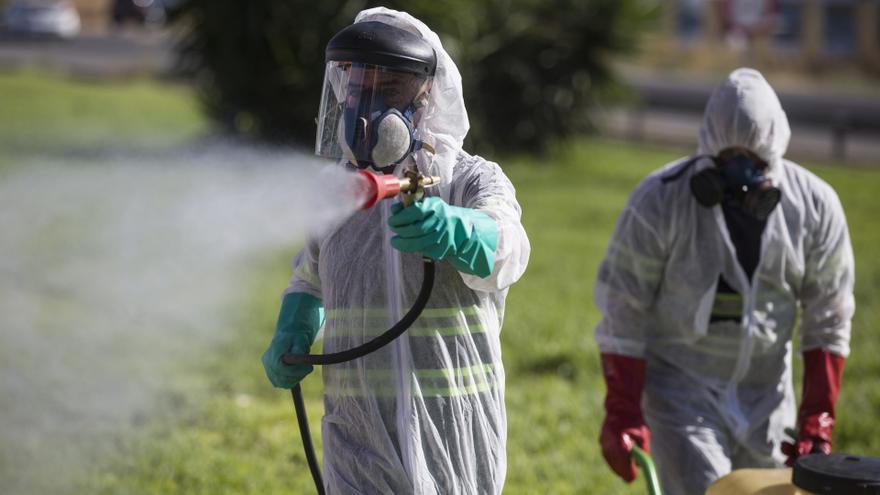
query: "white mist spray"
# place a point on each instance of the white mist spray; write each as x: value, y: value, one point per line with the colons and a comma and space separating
x: 112, y: 268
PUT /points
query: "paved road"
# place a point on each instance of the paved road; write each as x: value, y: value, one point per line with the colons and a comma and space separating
x: 123, y: 54
x: 809, y: 142
x: 826, y: 122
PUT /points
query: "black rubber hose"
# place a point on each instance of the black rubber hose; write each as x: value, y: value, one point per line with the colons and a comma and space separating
x: 348, y: 355
x: 306, y: 435
x: 380, y: 341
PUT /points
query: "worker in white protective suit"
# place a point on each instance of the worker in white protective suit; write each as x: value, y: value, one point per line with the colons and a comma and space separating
x: 425, y: 414
x: 710, y: 262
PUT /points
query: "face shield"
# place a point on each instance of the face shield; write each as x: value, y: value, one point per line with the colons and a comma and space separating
x: 376, y: 84
x: 368, y: 113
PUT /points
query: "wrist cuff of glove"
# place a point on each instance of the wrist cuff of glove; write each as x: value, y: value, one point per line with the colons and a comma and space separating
x: 817, y: 427
x: 823, y: 373
x: 301, y: 315
x: 476, y: 255
x: 625, y: 379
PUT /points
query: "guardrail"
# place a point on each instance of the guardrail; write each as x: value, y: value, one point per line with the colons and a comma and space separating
x: 841, y: 115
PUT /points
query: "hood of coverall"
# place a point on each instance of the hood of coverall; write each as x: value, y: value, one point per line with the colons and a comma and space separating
x: 444, y: 122
x: 745, y: 111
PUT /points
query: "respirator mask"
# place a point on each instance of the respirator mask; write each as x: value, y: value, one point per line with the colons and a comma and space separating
x: 738, y: 178
x: 376, y: 83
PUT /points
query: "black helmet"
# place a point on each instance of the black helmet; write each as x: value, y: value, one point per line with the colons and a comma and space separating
x: 382, y: 44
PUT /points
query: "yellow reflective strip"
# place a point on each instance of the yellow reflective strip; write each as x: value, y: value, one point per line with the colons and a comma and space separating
x: 450, y: 373
x: 445, y: 331
x: 825, y: 270
x: 462, y: 381
x: 644, y: 260
x: 380, y: 312
x: 727, y: 308
x: 623, y: 256
x: 467, y: 380
x: 455, y: 391
x: 412, y: 332
x: 479, y: 369
x: 450, y: 312
x: 336, y: 320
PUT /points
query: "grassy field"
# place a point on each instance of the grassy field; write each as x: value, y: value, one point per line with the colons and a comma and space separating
x: 49, y: 115
x: 220, y: 428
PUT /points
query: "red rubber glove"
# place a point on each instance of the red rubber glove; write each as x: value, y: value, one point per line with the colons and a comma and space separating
x: 624, y: 425
x: 823, y: 372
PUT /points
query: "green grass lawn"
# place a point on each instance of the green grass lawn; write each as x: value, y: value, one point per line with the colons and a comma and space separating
x: 50, y: 115
x: 220, y: 427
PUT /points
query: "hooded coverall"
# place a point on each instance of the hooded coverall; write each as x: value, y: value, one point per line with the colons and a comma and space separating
x: 425, y: 414
x: 717, y: 342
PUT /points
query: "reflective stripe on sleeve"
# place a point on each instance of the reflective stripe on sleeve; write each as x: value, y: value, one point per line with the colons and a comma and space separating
x: 628, y: 260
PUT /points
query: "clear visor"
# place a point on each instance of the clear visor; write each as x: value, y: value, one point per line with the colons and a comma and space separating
x: 354, y: 97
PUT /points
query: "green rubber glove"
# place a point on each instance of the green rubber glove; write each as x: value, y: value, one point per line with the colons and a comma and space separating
x: 465, y: 237
x: 300, y: 318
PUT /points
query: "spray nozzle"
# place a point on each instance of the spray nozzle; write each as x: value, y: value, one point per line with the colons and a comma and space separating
x: 411, y: 187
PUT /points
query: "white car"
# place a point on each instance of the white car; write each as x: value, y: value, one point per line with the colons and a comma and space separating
x: 53, y: 18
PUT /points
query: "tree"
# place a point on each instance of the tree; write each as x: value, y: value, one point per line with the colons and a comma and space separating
x: 531, y: 68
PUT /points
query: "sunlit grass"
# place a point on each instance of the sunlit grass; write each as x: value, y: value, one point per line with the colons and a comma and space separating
x: 47, y: 114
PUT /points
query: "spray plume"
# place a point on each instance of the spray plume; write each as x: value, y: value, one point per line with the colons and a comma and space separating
x: 115, y: 267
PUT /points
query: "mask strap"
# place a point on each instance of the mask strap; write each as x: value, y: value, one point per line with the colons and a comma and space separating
x: 410, y: 114
x: 683, y: 168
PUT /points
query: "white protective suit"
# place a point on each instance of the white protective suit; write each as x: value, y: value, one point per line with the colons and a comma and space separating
x: 718, y: 396
x: 425, y: 414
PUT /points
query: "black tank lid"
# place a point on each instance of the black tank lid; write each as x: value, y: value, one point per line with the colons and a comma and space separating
x: 382, y: 44
x: 838, y: 474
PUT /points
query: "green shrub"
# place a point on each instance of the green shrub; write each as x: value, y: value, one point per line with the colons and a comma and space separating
x: 531, y: 68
